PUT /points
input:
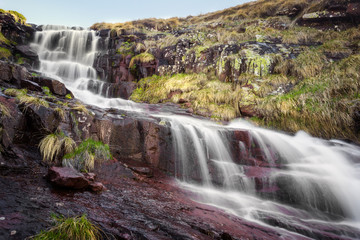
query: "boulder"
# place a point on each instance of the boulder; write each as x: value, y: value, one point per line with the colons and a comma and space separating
x: 70, y: 178
x: 67, y: 177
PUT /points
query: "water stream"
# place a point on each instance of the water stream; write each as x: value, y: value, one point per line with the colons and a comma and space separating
x: 294, y: 183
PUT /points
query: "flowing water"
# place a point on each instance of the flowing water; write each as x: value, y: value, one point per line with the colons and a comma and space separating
x: 295, y: 183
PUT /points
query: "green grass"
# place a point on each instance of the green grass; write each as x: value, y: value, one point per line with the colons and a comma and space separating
x: 87, y: 154
x: 75, y: 228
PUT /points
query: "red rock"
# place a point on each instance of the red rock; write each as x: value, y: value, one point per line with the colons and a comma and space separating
x: 67, y: 177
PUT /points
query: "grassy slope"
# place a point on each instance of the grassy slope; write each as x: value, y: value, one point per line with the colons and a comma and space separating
x: 325, y: 96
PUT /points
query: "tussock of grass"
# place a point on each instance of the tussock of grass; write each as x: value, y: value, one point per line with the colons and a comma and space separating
x: 55, y: 145
x: 89, y: 152
x: 143, y: 58
x: 76, y: 228
x: 32, y: 101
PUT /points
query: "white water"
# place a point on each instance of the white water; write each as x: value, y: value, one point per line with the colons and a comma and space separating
x: 321, y: 175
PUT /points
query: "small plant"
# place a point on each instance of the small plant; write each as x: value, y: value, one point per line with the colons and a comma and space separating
x: 84, y: 157
x: 35, y: 74
x: 75, y: 228
x: 54, y: 145
x: 68, y: 96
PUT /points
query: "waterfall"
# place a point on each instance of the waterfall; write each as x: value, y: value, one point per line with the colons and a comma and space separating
x: 67, y: 54
x: 298, y: 183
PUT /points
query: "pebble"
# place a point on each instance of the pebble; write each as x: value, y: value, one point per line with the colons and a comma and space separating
x: 13, y: 232
x: 59, y: 204
x: 2, y: 218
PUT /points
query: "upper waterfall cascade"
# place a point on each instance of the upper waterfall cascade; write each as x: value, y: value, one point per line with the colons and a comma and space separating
x: 300, y: 180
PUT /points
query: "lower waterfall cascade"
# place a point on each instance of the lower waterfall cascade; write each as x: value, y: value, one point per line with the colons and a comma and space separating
x: 261, y: 175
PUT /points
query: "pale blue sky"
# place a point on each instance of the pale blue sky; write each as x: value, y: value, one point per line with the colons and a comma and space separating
x: 86, y: 12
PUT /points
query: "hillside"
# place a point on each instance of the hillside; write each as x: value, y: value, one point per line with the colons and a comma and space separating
x: 289, y: 65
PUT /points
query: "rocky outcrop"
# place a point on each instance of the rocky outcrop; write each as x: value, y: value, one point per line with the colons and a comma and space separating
x: 16, y: 37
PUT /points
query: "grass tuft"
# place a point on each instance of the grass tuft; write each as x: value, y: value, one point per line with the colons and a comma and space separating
x: 89, y: 152
x: 55, y: 145
x: 75, y: 228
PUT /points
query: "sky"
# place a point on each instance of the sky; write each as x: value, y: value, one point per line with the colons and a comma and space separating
x: 84, y: 13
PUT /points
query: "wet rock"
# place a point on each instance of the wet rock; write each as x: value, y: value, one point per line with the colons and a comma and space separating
x: 67, y: 177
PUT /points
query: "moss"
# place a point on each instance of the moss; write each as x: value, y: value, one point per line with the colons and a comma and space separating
x: 3, y: 39
x: 126, y: 48
x: 4, y: 53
